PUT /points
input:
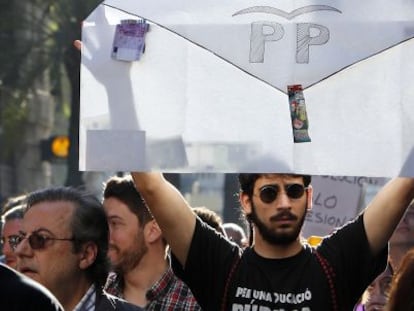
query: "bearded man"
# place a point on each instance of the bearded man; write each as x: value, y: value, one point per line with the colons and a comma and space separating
x: 279, y: 271
x: 138, y: 253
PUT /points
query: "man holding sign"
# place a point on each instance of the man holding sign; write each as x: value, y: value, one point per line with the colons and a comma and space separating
x: 278, y: 271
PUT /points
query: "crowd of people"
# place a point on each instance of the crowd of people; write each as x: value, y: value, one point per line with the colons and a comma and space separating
x: 143, y: 247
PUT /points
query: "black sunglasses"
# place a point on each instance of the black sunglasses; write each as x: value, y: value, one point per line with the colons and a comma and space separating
x: 35, y: 239
x: 269, y: 193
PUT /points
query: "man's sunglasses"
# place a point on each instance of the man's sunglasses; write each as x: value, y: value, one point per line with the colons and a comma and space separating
x: 35, y: 239
x: 269, y: 193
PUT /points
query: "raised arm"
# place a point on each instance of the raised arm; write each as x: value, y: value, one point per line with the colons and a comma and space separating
x: 171, y: 211
x: 385, y: 211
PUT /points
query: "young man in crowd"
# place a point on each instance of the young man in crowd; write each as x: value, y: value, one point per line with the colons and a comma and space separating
x: 278, y: 271
x: 63, y: 245
x: 139, y: 253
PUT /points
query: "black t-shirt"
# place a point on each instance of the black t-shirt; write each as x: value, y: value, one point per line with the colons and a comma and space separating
x: 297, y: 283
x: 19, y: 293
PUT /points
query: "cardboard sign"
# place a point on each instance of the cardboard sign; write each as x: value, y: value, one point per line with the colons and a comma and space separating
x: 336, y: 200
x: 213, y: 80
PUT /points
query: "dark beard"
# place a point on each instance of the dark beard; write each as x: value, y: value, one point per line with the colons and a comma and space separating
x: 132, y: 258
x: 272, y: 237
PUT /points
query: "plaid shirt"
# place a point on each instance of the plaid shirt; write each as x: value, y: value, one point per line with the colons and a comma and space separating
x: 167, y: 294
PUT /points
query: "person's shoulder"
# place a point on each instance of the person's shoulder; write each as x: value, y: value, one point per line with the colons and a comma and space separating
x: 111, y: 302
x: 14, y: 286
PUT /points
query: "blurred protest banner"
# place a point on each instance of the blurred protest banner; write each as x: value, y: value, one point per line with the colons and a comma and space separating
x: 337, y: 200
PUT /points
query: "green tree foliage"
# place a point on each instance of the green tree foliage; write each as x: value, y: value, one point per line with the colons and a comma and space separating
x: 36, y: 37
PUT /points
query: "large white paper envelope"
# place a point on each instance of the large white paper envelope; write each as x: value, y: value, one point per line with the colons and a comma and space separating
x: 210, y: 91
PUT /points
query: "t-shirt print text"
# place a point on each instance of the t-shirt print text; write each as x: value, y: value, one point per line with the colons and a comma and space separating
x: 259, y: 300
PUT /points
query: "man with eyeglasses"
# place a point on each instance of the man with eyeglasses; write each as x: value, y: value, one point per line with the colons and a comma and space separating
x: 63, y: 245
x: 11, y: 222
x: 278, y: 271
